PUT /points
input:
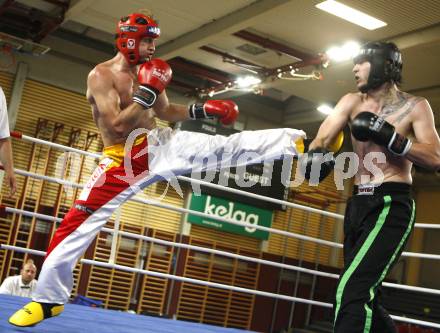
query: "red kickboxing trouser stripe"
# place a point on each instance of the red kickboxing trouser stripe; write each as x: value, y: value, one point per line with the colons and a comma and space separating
x: 108, y: 186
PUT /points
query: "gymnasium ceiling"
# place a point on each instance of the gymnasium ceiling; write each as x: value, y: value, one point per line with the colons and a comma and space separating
x: 201, y: 38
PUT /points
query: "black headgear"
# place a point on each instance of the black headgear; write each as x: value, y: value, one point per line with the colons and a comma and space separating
x: 386, y: 64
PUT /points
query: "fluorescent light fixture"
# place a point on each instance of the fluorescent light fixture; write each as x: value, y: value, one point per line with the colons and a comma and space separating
x: 350, y: 14
x: 345, y: 52
x: 247, y: 81
x: 325, y: 108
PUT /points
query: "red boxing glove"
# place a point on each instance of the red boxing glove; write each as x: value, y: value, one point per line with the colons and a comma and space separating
x: 153, y: 77
x: 225, y: 110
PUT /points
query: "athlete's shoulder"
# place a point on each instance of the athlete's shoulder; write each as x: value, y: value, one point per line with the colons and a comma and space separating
x: 349, y: 102
x: 99, y: 71
x: 100, y: 77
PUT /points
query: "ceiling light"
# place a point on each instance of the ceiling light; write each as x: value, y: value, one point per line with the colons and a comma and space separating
x: 247, y: 81
x: 350, y: 14
x: 336, y: 53
x: 343, y: 53
x: 351, y: 48
x: 325, y: 108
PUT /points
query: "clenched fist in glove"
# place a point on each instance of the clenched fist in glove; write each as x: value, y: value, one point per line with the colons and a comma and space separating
x: 153, y: 77
x: 225, y: 110
x: 316, y: 164
x: 369, y: 126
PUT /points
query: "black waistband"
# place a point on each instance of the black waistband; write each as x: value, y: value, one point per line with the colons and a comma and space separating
x: 384, y: 188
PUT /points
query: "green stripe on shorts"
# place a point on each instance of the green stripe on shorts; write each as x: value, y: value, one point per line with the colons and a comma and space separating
x: 382, y: 276
x: 362, y: 252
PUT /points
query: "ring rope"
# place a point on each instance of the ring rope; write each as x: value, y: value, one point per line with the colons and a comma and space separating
x: 189, y: 211
x: 222, y: 253
x: 219, y: 218
x: 214, y: 284
x: 179, y: 278
x: 186, y: 246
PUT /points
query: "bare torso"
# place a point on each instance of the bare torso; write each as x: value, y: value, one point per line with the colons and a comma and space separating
x: 398, y: 113
x: 124, y: 83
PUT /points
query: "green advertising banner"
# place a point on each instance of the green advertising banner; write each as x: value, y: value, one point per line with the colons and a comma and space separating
x: 230, y: 210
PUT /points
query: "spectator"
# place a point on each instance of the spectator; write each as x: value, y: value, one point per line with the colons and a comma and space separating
x: 21, y: 285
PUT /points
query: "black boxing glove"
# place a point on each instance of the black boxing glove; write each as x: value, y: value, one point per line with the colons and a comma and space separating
x: 316, y: 163
x: 368, y: 126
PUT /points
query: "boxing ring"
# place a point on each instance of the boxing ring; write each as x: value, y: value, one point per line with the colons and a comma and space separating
x: 112, y: 320
x: 101, y: 320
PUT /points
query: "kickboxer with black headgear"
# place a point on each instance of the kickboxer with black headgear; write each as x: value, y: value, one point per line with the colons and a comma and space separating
x: 398, y: 128
x: 126, y: 93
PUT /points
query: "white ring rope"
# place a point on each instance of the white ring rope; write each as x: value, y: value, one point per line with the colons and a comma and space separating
x: 179, y: 278
x: 214, y: 284
x: 182, y: 245
x: 19, y: 135
x: 222, y: 253
x: 189, y: 211
x: 219, y: 218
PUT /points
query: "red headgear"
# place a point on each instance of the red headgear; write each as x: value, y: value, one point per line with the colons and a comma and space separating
x: 131, y: 29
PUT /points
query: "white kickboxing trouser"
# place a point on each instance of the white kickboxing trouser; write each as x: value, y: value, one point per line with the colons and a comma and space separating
x: 120, y: 175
